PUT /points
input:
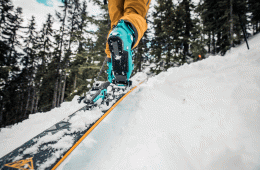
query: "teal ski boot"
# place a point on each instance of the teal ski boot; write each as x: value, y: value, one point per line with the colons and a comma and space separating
x: 120, y: 43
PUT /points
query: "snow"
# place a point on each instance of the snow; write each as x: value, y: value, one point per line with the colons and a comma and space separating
x: 198, y: 116
x: 16, y: 135
x: 204, y: 115
x: 82, y: 119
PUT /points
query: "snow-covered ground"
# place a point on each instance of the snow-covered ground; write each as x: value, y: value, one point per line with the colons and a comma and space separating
x: 16, y: 135
x: 199, y: 116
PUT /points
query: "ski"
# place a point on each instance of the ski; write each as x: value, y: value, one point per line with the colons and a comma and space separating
x: 48, y: 149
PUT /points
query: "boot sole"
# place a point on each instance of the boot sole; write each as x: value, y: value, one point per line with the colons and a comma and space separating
x: 119, y: 59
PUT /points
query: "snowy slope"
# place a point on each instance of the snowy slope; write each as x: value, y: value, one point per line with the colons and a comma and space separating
x: 198, y: 116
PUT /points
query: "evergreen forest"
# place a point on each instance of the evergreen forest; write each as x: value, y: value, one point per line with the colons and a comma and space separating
x: 41, y: 66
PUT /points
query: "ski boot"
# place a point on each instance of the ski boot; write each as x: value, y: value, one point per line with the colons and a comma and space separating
x: 120, y: 65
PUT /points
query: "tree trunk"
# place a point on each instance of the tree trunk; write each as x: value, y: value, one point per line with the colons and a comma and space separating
x: 37, y: 101
x: 218, y: 41
x: 54, y: 101
x: 2, y: 115
x: 17, y: 117
x: 33, y: 99
x: 75, y: 82
x: 188, y: 26
x: 254, y: 30
x: 231, y: 24
x: 63, y: 89
x: 214, y: 43
x: 140, y: 64
x: 257, y: 26
x: 209, y: 41
x: 167, y: 59
x: 27, y: 103
x: 21, y: 106
x: 59, y: 94
x: 140, y: 55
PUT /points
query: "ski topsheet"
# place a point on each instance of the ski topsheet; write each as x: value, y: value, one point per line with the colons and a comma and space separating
x: 48, y: 149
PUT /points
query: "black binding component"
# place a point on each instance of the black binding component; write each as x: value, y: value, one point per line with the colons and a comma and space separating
x: 119, y: 59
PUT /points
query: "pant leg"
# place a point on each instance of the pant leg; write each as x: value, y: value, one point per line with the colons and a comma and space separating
x: 135, y: 12
x: 116, y: 11
x: 136, y: 6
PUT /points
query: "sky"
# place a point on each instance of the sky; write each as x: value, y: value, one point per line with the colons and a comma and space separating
x: 46, y: 2
x: 199, y: 116
x: 40, y: 9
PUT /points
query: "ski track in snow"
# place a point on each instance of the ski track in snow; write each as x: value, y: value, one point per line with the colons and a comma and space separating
x: 204, y: 115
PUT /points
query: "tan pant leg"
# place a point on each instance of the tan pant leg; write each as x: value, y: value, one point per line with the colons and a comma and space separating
x: 116, y: 11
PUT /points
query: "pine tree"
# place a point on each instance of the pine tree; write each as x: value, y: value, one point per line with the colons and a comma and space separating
x: 216, y: 21
x: 159, y: 38
x: 177, y: 33
x: 14, y: 57
x: 186, y: 6
x: 10, y: 40
x: 141, y: 53
x: 166, y: 25
x: 91, y: 52
x: 10, y: 90
x: 174, y: 29
x: 197, y: 46
x: 6, y: 7
x: 208, y: 10
x: 79, y: 66
x: 43, y: 93
x: 72, y: 26
x: 254, y: 7
x: 45, y: 43
x: 30, y: 61
x: 103, y: 23
x: 221, y: 23
x: 59, y: 53
x: 240, y: 11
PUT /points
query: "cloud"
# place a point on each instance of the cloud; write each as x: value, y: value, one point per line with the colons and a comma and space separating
x: 39, y: 10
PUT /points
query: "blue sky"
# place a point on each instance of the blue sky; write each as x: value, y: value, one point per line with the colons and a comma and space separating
x: 47, y: 2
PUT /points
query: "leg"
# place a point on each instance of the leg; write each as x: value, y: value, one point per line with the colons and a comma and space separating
x: 116, y: 11
x: 124, y: 37
x: 134, y: 11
